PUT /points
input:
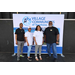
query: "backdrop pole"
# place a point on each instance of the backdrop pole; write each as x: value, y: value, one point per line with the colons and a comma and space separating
x: 62, y: 53
x: 17, y: 12
x: 14, y: 53
x: 60, y: 12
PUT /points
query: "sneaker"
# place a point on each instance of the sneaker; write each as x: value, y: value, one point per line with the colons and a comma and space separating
x: 29, y: 59
x: 21, y: 55
x: 14, y: 54
x: 55, y: 60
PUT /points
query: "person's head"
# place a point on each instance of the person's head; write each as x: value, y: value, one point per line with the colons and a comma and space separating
x: 50, y: 23
x: 29, y: 29
x: 38, y: 28
x: 21, y: 25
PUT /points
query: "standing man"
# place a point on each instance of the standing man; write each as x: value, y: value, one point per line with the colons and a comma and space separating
x: 29, y: 41
x: 20, y: 38
x: 51, y: 34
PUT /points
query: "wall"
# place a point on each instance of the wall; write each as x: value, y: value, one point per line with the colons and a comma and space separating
x: 8, y: 15
x: 69, y: 36
x: 6, y: 36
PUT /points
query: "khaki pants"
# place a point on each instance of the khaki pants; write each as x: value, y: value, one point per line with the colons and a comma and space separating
x: 20, y: 48
x: 36, y: 49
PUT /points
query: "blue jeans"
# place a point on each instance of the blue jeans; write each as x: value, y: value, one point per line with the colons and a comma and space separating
x: 53, y: 48
x: 29, y: 49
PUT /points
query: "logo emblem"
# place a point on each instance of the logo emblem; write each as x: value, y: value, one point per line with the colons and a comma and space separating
x: 26, y: 21
x: 50, y: 29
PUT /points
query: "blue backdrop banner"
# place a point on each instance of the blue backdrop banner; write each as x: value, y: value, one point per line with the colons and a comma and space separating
x: 33, y: 20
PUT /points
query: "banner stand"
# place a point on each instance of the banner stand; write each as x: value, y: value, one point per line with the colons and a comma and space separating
x: 16, y: 53
x: 33, y: 20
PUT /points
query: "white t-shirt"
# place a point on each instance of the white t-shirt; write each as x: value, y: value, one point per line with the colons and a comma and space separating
x: 29, y: 36
x: 39, y: 37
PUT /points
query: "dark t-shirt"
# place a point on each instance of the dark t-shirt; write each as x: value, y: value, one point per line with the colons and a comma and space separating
x: 20, y: 34
x: 51, y: 33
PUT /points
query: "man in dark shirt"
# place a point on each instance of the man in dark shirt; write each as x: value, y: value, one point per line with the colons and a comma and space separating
x: 51, y: 38
x: 20, y: 38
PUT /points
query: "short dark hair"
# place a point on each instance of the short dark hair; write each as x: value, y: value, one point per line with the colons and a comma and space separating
x: 37, y: 26
x: 20, y: 23
x: 50, y: 21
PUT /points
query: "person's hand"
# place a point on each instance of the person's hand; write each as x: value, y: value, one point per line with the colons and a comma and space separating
x: 24, y: 41
x: 45, y: 41
x: 16, y: 43
x: 33, y: 43
x: 42, y: 42
x: 57, y: 42
x: 36, y: 43
x: 27, y: 44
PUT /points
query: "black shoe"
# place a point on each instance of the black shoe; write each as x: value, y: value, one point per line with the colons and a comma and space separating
x: 48, y: 57
x: 29, y: 59
x: 55, y: 60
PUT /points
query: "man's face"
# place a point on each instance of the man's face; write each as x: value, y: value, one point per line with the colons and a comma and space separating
x: 21, y: 25
x: 50, y: 23
x: 29, y: 29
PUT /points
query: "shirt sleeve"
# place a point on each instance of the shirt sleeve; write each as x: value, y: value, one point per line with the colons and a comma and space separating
x: 57, y: 32
x: 16, y: 31
x: 26, y: 35
x: 45, y: 32
x: 42, y: 34
x: 23, y: 32
x: 34, y: 34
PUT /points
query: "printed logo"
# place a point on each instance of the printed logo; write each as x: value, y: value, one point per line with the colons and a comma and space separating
x: 26, y: 21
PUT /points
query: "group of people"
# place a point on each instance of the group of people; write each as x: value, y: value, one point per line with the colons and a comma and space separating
x: 51, y: 36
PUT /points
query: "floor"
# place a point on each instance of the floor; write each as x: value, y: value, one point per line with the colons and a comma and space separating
x: 7, y: 57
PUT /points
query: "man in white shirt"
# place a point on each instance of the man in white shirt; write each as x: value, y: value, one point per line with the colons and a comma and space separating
x: 29, y: 42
